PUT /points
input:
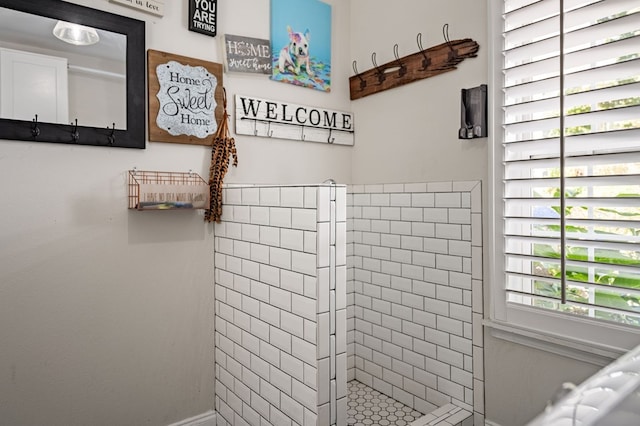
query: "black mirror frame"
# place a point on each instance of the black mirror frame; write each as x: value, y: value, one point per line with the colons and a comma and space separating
x: 134, y: 30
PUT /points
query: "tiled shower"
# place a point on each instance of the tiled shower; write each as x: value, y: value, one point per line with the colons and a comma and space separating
x: 318, y: 285
x: 414, y: 294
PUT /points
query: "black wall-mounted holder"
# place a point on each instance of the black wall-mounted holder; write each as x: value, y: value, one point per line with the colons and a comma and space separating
x: 473, y: 113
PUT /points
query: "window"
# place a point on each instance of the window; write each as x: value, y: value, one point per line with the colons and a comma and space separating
x: 568, y: 203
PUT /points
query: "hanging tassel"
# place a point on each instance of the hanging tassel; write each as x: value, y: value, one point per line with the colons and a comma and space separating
x: 222, y: 148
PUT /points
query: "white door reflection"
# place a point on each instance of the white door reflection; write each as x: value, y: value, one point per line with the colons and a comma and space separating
x: 95, y: 74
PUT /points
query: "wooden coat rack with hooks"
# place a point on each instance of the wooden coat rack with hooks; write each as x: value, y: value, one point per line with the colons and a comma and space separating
x: 423, y: 64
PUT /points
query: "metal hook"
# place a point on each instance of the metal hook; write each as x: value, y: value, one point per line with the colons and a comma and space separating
x: 224, y: 98
x: 403, y: 68
x: 381, y: 76
x: 35, y: 130
x: 303, y: 136
x: 75, y: 135
x: 426, y: 61
x: 330, y: 139
x: 445, y: 33
x: 112, y: 136
x: 255, y: 128
x: 269, y: 131
x: 363, y: 82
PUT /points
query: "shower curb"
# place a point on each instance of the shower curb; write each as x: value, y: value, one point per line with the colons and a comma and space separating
x: 205, y: 419
x: 449, y: 414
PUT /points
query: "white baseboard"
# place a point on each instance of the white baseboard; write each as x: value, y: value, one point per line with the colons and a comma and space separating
x: 490, y: 423
x: 204, y: 419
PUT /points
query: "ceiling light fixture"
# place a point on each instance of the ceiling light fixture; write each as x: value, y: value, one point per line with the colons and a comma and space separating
x: 78, y: 35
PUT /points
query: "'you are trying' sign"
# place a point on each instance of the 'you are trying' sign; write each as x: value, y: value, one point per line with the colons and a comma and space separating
x: 203, y: 16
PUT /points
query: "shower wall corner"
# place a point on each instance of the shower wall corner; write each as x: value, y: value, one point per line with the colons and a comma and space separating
x: 280, y: 291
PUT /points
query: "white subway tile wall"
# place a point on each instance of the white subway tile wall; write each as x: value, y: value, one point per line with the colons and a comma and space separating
x: 414, y: 294
x: 281, y: 310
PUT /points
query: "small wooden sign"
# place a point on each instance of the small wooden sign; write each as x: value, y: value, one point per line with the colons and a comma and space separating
x: 284, y: 120
x: 163, y: 196
x: 155, y: 7
x: 247, y: 54
x: 185, y: 98
x: 203, y: 16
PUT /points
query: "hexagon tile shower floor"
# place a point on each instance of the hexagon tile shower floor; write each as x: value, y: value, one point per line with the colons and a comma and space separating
x: 367, y: 406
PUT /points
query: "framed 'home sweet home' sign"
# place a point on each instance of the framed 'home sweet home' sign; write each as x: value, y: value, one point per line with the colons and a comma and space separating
x: 185, y: 98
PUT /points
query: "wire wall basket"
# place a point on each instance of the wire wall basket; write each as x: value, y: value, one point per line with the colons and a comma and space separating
x: 152, y: 190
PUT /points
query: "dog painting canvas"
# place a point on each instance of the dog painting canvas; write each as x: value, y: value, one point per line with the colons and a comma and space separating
x: 301, y: 43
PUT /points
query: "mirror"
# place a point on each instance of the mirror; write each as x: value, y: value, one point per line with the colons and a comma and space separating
x: 101, y: 85
x: 34, y: 62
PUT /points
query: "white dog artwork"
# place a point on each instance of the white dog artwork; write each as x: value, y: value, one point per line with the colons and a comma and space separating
x: 295, y: 55
x: 293, y: 60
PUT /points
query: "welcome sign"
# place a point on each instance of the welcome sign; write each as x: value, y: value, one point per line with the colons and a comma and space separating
x: 185, y: 104
x: 284, y: 120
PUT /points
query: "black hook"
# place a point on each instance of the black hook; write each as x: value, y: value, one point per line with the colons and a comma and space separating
x: 445, y: 33
x: 75, y: 135
x: 112, y: 136
x: 330, y: 139
x: 224, y: 98
x: 35, y: 130
x: 363, y: 82
x: 403, y: 68
x: 381, y: 76
x: 426, y: 61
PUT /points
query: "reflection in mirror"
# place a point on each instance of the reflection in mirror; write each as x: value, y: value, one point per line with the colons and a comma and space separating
x: 48, y: 81
x: 41, y: 74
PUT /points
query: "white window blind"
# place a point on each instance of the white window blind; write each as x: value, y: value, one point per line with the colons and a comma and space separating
x: 571, y: 156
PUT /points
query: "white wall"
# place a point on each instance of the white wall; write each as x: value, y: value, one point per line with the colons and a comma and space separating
x: 521, y: 380
x: 106, y: 315
x: 410, y: 133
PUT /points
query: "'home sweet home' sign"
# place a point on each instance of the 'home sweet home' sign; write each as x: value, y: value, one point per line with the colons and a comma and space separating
x: 185, y: 98
x: 284, y: 120
x: 247, y: 54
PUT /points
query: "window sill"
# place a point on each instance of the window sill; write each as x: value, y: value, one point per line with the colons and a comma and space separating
x: 600, y: 355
